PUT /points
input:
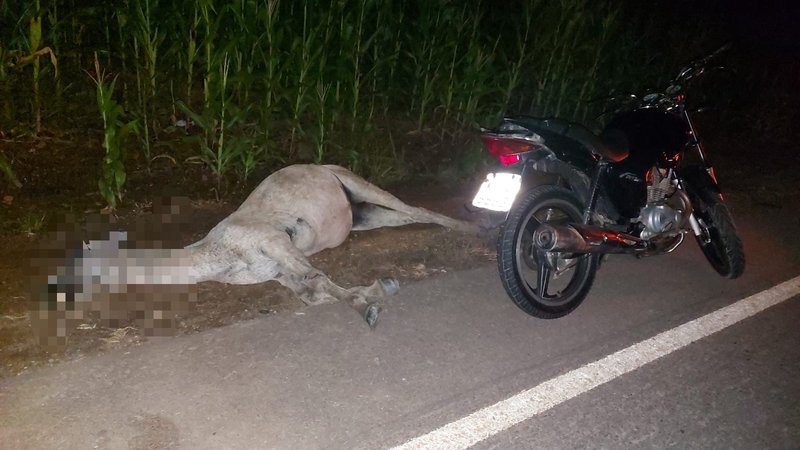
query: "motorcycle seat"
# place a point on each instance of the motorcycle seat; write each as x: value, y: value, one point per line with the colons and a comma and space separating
x: 612, y: 145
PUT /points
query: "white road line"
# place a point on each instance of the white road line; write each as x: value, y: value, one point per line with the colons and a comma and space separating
x: 493, y: 419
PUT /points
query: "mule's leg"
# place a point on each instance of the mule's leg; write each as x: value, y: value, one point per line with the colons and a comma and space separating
x: 318, y: 289
x: 356, y: 296
x: 367, y: 216
x: 300, y: 287
x: 360, y: 191
x: 314, y: 287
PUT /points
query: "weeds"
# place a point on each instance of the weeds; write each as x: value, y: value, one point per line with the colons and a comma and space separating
x: 31, y: 223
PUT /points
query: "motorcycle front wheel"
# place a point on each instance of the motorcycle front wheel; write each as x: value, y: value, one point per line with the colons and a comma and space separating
x: 719, y: 241
x: 544, y: 285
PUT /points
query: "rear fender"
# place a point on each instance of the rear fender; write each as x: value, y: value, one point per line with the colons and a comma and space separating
x: 578, y: 181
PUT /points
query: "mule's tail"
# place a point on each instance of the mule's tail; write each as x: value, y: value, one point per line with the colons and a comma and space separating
x: 392, y: 211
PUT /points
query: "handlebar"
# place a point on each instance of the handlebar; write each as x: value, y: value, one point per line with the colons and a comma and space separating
x: 698, y: 66
x: 716, y: 52
x: 673, y: 97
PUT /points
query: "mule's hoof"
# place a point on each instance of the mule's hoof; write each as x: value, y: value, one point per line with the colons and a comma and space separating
x: 372, y: 315
x: 390, y: 285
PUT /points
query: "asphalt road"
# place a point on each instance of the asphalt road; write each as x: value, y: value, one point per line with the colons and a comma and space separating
x: 444, y: 348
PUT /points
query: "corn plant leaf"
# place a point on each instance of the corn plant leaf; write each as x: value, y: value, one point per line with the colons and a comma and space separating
x: 106, y: 193
x: 126, y: 129
x: 196, y: 118
x: 5, y: 167
x: 119, y: 175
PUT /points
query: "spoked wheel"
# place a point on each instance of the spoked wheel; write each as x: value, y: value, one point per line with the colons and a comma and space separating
x: 718, y: 240
x: 543, y: 284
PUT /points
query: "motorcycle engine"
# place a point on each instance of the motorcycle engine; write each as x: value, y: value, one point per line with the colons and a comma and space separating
x: 658, y: 219
x: 666, y: 210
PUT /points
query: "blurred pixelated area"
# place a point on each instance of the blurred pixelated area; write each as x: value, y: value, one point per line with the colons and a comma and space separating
x: 95, y: 272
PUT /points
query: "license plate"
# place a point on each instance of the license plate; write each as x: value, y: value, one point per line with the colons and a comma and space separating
x: 498, y: 191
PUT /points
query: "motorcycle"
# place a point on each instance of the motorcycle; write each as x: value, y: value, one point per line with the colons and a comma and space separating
x: 563, y: 197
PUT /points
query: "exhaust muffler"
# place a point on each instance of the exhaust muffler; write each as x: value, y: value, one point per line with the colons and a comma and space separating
x: 575, y: 238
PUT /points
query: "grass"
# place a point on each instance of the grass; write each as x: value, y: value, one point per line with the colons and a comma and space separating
x: 32, y: 223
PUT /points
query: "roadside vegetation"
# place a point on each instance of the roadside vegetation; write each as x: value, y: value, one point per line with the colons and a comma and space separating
x: 258, y: 84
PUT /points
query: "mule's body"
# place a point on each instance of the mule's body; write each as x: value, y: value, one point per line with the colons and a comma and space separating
x: 296, y: 212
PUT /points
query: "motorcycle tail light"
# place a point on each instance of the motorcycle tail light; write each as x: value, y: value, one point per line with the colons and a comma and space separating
x: 508, y: 160
x: 507, y: 150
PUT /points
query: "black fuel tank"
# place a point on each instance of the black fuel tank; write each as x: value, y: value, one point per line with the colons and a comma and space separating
x: 651, y: 134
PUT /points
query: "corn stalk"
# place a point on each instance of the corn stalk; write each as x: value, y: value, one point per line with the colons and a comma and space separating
x: 115, y: 130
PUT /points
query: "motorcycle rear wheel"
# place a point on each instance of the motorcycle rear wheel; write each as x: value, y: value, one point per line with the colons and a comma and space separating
x: 527, y: 277
x: 719, y: 241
